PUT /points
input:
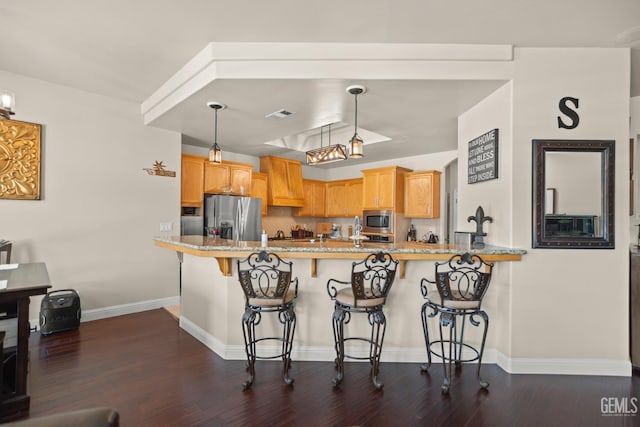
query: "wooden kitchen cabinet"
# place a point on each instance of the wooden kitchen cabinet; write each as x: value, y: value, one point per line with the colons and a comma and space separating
x: 192, y: 180
x: 383, y: 188
x: 284, y: 181
x: 240, y: 178
x: 227, y: 178
x: 314, y: 199
x: 354, y: 197
x: 422, y: 194
x: 344, y: 198
x: 259, y: 189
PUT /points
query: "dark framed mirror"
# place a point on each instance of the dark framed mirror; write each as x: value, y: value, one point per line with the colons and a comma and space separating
x: 573, y: 194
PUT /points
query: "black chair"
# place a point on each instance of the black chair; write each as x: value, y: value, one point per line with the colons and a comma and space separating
x: 371, y: 280
x: 461, y: 283
x: 265, y: 279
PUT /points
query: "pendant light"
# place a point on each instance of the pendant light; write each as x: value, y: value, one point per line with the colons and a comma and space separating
x: 7, y: 104
x: 328, y: 154
x: 356, y: 145
x: 215, y: 152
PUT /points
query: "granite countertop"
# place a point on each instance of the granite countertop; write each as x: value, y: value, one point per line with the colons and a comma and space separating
x: 202, y: 243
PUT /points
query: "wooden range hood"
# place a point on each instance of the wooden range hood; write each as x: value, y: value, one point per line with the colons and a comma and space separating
x: 284, y: 181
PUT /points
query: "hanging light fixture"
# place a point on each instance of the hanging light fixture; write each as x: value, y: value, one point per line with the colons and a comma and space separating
x: 7, y: 104
x: 356, y: 144
x: 215, y: 152
x: 328, y: 154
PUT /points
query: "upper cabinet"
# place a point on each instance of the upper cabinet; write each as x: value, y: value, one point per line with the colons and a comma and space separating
x: 344, y: 198
x: 284, y: 181
x: 191, y: 180
x: 422, y: 194
x: 314, y: 199
x: 383, y: 188
x: 354, y: 197
x: 259, y: 189
x: 227, y: 178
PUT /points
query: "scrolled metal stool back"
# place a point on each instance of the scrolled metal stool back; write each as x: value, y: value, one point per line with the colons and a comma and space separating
x: 461, y: 283
x: 265, y: 275
x: 365, y: 293
x: 463, y: 277
x: 266, y: 280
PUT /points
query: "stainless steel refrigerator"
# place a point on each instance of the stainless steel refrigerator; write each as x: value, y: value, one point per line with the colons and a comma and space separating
x: 233, y: 217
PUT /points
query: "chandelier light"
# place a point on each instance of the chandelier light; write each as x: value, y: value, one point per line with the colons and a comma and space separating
x: 215, y: 152
x: 328, y: 154
x: 356, y: 144
x: 7, y: 104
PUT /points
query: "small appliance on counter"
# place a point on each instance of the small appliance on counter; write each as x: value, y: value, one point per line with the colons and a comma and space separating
x: 463, y: 239
x: 336, y: 231
x: 301, y: 233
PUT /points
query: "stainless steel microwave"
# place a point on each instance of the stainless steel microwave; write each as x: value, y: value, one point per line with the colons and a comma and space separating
x: 377, y: 221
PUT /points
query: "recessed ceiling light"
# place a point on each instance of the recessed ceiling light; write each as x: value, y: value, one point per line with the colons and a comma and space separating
x: 280, y: 114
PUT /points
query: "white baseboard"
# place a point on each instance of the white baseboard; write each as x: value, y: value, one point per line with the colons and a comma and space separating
x: 552, y: 366
x: 418, y: 355
x: 119, y: 310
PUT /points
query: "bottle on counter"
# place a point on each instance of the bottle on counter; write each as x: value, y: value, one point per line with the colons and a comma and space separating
x: 264, y: 238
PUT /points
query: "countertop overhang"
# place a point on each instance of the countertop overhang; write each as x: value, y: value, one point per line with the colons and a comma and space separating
x: 224, y: 250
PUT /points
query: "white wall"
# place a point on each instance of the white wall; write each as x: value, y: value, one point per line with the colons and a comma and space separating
x: 99, y: 209
x: 491, y: 113
x: 634, y: 133
x: 570, y: 304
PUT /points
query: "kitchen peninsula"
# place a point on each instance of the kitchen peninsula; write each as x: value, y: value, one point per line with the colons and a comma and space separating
x: 212, y: 301
x: 224, y: 250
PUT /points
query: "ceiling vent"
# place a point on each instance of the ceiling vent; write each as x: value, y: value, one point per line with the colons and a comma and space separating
x: 280, y: 114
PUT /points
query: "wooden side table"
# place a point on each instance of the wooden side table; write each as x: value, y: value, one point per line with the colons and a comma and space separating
x: 22, y: 282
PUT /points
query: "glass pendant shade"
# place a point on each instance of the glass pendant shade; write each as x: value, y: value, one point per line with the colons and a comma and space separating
x: 215, y: 152
x: 356, y: 144
x: 355, y: 147
x: 7, y: 104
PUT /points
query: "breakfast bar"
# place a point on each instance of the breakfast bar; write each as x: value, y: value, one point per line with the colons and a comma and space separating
x: 225, y: 250
x: 212, y: 300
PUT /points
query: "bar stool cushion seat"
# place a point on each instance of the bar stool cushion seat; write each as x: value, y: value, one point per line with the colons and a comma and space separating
x: 268, y: 300
x: 345, y: 297
x: 456, y: 302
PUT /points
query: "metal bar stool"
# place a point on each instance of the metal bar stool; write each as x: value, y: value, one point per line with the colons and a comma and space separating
x: 461, y: 283
x: 371, y: 280
x: 266, y: 279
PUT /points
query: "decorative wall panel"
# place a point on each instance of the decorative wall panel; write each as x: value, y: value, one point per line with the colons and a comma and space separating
x: 19, y: 160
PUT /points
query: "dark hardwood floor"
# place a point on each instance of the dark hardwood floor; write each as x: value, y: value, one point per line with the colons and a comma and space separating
x: 155, y: 374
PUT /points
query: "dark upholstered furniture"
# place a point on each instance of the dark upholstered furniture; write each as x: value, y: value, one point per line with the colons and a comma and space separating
x: 94, y: 417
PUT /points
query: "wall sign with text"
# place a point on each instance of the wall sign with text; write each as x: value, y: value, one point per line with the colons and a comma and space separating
x: 483, y: 157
